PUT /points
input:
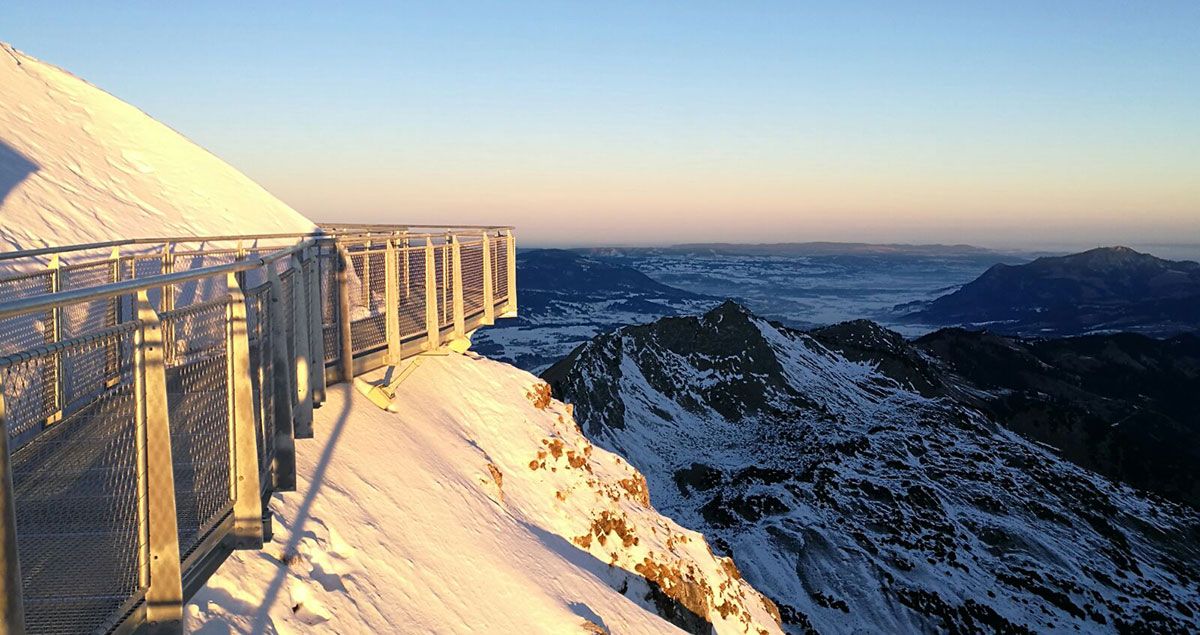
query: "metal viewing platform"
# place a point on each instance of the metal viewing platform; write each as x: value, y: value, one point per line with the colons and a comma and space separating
x: 151, y: 391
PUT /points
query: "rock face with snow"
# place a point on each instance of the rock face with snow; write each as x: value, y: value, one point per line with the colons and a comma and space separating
x: 78, y: 165
x: 858, y: 503
x: 478, y: 508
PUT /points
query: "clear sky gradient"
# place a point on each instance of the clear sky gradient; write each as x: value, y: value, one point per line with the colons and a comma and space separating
x: 994, y: 123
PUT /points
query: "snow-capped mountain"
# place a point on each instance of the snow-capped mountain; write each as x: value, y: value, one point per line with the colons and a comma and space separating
x: 859, y: 504
x: 78, y: 165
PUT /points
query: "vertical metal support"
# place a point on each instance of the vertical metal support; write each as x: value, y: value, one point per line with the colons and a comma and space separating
x: 316, y: 330
x: 168, y: 298
x: 364, y: 285
x: 156, y: 476
x: 247, y: 505
x: 407, y: 263
x: 445, y: 307
x: 281, y: 388
x: 391, y: 302
x: 303, y: 365
x: 460, y: 328
x: 346, y: 356
x: 510, y: 309
x: 12, y: 606
x: 489, y: 300
x: 112, y: 351
x: 53, y: 373
x: 238, y: 256
x: 431, y: 309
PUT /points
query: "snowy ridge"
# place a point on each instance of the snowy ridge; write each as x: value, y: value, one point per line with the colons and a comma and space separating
x: 480, y: 507
x: 858, y: 505
x: 78, y: 165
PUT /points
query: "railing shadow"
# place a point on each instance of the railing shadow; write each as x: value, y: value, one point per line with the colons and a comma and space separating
x: 262, y: 616
x: 14, y: 168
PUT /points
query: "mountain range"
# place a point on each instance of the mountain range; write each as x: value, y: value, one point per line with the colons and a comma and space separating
x: 1106, y: 289
x: 866, y: 484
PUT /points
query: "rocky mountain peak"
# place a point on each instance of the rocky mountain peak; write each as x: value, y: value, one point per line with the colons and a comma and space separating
x: 860, y: 502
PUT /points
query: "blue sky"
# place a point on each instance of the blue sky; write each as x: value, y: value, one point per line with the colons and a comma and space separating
x: 993, y: 123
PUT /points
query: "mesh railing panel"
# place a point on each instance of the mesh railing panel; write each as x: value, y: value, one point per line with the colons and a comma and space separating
x: 368, y: 322
x: 258, y: 322
x: 76, y: 491
x: 443, y: 266
x: 24, y: 331
x: 472, y: 276
x: 411, y: 280
x: 197, y: 397
x: 327, y: 263
x: 499, y: 245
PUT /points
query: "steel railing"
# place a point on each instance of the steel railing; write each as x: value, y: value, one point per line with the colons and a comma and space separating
x: 151, y: 391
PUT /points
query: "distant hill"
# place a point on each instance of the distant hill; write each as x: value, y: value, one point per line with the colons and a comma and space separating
x: 565, y: 272
x: 818, y: 249
x: 1103, y: 289
x: 835, y: 249
x: 566, y: 297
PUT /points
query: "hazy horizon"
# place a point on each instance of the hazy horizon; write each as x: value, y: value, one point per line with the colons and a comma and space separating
x: 1009, y: 127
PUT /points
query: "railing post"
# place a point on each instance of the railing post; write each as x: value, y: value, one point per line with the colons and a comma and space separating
x: 281, y: 388
x: 364, y: 286
x: 460, y: 329
x: 489, y: 299
x: 391, y: 302
x: 446, y: 307
x: 346, y: 356
x: 12, y: 606
x: 158, y: 520
x: 431, y: 310
x: 52, y: 373
x: 510, y: 309
x: 238, y: 256
x: 247, y: 501
x: 168, y: 296
x: 112, y: 352
x: 407, y: 279
x: 316, y: 329
x: 303, y: 364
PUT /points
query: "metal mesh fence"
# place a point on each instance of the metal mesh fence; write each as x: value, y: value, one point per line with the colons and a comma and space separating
x: 258, y: 323
x: 76, y: 491
x: 499, y: 245
x: 66, y: 376
x: 197, y: 396
x: 411, y: 280
x: 472, y: 276
x: 327, y: 262
x: 368, y: 325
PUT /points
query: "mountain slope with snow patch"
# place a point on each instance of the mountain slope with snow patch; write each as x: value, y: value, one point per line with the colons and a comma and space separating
x: 78, y: 165
x: 480, y: 507
x: 859, y: 505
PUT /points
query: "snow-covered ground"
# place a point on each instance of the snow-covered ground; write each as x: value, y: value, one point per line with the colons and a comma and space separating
x: 78, y: 165
x: 478, y: 508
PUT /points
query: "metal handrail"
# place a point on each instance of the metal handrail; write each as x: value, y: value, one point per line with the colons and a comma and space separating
x: 353, y: 228
x: 33, y: 304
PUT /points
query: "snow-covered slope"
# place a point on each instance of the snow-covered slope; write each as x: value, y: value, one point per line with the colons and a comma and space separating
x: 859, y: 505
x: 78, y: 165
x: 479, y: 508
